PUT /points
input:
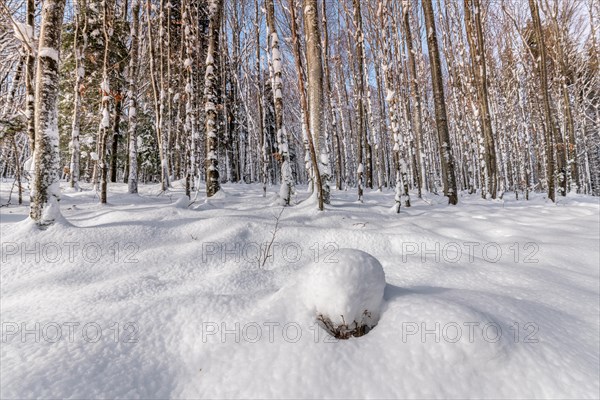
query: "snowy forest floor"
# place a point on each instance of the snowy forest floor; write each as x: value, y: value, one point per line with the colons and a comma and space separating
x: 154, y: 299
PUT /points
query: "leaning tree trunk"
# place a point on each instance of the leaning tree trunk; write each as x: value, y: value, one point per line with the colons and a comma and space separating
x: 441, y: 119
x: 210, y: 98
x: 315, y: 95
x: 46, y: 187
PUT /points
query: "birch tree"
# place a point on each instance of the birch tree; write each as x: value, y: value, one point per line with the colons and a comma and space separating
x: 45, y: 193
x: 132, y: 180
x: 287, y: 184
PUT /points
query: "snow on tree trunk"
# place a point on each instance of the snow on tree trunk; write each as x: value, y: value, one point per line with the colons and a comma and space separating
x: 45, y: 186
x: 210, y: 98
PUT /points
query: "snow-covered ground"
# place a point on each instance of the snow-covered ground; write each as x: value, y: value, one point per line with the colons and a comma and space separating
x: 148, y: 297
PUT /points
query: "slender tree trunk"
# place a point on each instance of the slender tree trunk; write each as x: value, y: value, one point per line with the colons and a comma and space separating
x: 549, y: 128
x: 360, y: 94
x: 441, y: 119
x: 17, y: 169
x: 417, y: 117
x: 80, y: 41
x: 328, y: 97
x: 132, y: 181
x: 115, y: 138
x: 157, y: 96
x: 477, y: 50
x: 259, y: 100
x: 277, y: 87
x: 29, y: 79
x: 10, y: 99
x: 105, y: 122
x: 46, y: 185
x: 569, y: 150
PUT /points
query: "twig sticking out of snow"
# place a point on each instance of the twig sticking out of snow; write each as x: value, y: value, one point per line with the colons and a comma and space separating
x: 267, y: 251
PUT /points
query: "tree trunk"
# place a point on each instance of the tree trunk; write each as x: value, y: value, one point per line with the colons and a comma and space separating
x: 79, y: 49
x: 550, y: 128
x: 417, y: 117
x: 115, y: 138
x: 259, y: 100
x: 46, y: 185
x: 303, y: 100
x: 132, y: 182
x: 29, y: 79
x: 360, y: 93
x: 277, y: 87
x: 315, y: 95
x: 105, y: 121
x: 328, y: 96
x: 441, y: 119
x: 210, y: 97
x: 477, y: 51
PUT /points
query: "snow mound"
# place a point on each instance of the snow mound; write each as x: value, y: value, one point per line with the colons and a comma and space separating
x: 345, y: 291
x: 182, y: 202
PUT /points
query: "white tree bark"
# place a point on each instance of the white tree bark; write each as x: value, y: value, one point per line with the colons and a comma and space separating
x: 46, y: 189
